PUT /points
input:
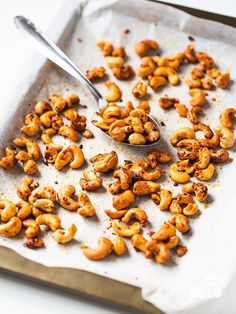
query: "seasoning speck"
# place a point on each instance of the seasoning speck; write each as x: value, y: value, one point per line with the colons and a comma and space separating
x: 126, y: 31
x: 163, y: 123
x: 79, y: 39
x: 175, y: 184
x: 81, y: 146
x: 191, y: 38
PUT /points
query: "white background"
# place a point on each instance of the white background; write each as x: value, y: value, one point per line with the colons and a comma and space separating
x: 18, y: 295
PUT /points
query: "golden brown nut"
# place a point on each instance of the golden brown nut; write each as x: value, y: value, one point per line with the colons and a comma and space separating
x: 115, y: 92
x: 180, y: 134
x: 50, y: 220
x: 166, y: 231
x: 70, y: 132
x: 63, y: 158
x: 115, y: 62
x: 227, y: 137
x: 169, y: 73
x: 32, y: 229
x: 64, y: 196
x: 51, y: 119
x: 86, y: 208
x: 135, y: 213
x: 29, y: 165
x: 124, y: 175
x: 156, y: 156
x: 136, y: 139
x: 87, y: 134
x: 77, y: 156
x: 119, y: 246
x: 8, y: 161
x: 96, y: 73
x: 193, y: 82
x: 192, y: 114
x: 213, y: 73
x: 205, y: 174
x: 206, y: 62
x: 46, y: 135
x: 200, y: 189
x: 61, y: 236
x: 198, y: 97
x: 7, y: 210
x: 102, y: 251
x: 204, y: 128
x: 11, y: 228
x: 147, y: 67
x: 165, y: 199
x: 145, y: 187
x: 118, y: 52
x: 167, y: 102
x: 196, y: 72
x: 139, y: 89
x: 106, y: 47
x: 180, y: 171
x: 181, y: 250
x: 41, y: 107
x: 144, y: 105
x: 43, y: 192
x: 221, y: 156
x: 139, y: 168
x: 143, y: 47
x: 204, y: 158
x: 160, y: 251
x: 211, y: 142
x: 123, y: 73
x: 223, y: 80
x: 31, y: 146
x: 115, y: 214
x: 34, y: 243
x: 72, y: 99
x: 23, y: 209
x: 32, y: 125
x: 125, y: 231
x: 227, y: 116
x: 189, y: 53
x: 90, y: 181
x: 59, y: 103
x: 156, y: 81
x: 51, y: 152
x: 71, y: 114
x: 207, y: 83
x: 139, y: 242
x: 123, y: 200
x: 181, y: 110
x: 104, y: 162
x: 181, y: 223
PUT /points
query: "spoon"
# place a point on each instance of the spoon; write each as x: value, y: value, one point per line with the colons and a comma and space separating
x: 49, y: 49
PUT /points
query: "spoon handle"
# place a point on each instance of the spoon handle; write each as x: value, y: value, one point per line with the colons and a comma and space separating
x: 48, y: 48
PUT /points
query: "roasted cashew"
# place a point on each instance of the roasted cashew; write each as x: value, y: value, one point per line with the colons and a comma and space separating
x: 70, y: 132
x: 32, y: 228
x: 167, y: 102
x: 31, y: 146
x: 125, y: 177
x: 181, y: 250
x: 125, y: 231
x: 143, y: 174
x: 180, y: 222
x: 188, y: 152
x: 144, y: 105
x: 192, y: 114
x: 196, y: 72
x: 189, y: 53
x: 29, y: 165
x: 51, y: 153
x: 206, y: 62
x: 7, y: 210
x: 51, y: 119
x: 106, y: 47
x: 156, y: 81
x: 46, y: 135
x: 77, y: 156
x: 198, y: 97
x: 190, y: 210
x: 96, y: 73
x: 119, y: 246
x: 210, y: 142
x: 23, y: 209
x: 145, y: 187
x: 123, y: 73
x: 139, y: 90
x: 123, y: 200
x: 50, y: 220
x: 90, y: 181
x: 23, y: 189
x: 118, y: 52
x: 223, y: 80
x: 72, y: 99
x: 139, y: 242
x: 79, y: 124
x: 207, y: 83
x: 205, y: 174
x: 115, y: 214
x: 156, y: 198
x: 156, y: 156
x: 43, y: 192
x: 135, y: 213
x: 204, y: 128
x: 61, y: 236
x: 87, y: 134
x: 11, y: 228
x: 115, y: 92
x: 226, y: 117
x: 180, y: 171
x: 180, y: 202
x: 86, y: 208
x: 143, y: 46
x: 34, y: 243
x: 32, y: 125
x: 36, y: 211
x: 213, y: 73
x: 166, y: 231
x: 112, y: 111
x: 127, y: 109
x: 165, y: 199
x: 159, y: 250
x: 181, y: 134
x: 168, y: 73
x: 147, y: 67
x: 172, y: 242
x: 222, y: 155
x: 193, y: 82
x: 115, y: 62
x: 227, y: 137
x: 104, y: 162
x: 59, y: 103
x: 71, y: 114
x: 152, y: 134
x: 200, y: 189
x: 62, y: 158
x: 64, y: 197
x: 44, y: 204
x: 8, y: 161
x: 119, y: 130
x: 188, y: 143
x: 136, y: 139
x: 41, y: 107
x: 204, y: 156
x: 170, y: 62
x: 103, y: 250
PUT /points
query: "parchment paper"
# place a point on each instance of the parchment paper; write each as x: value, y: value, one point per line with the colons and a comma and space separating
x: 204, y: 279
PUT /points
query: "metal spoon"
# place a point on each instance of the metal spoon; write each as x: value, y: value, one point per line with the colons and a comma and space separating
x: 49, y: 49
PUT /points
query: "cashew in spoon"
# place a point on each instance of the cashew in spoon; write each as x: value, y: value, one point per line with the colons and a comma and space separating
x: 32, y: 229
x: 11, y: 228
x: 124, y: 230
x: 102, y: 251
x: 135, y: 213
x: 50, y: 220
x: 86, y: 209
x: 90, y: 181
x: 23, y: 189
x: 23, y: 209
x: 104, y: 162
x: 8, y: 161
x: 145, y: 187
x: 181, y: 134
x: 32, y: 125
x: 64, y: 197
x: 61, y: 236
x: 152, y: 134
x: 123, y: 200
x: 7, y: 210
x: 119, y: 246
x: 115, y: 92
x: 205, y: 174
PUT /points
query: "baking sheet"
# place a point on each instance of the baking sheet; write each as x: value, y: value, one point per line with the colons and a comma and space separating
x: 198, y: 279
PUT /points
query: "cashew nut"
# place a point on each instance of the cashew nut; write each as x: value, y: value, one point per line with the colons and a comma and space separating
x: 207, y: 83
x: 32, y: 229
x: 204, y: 156
x: 125, y: 231
x: 206, y: 62
x: 200, y: 189
x: 46, y: 135
x: 70, y: 132
x: 64, y: 197
x: 168, y: 73
x: 51, y: 153
x: 198, y: 97
x: 136, y: 139
x: 192, y: 114
x: 145, y: 187
x: 50, y: 220
x: 180, y: 222
x: 144, y: 105
x: 147, y: 68
x: 8, y: 161
x: 139, y: 90
x: 29, y: 165
x: 41, y: 107
x: 152, y: 134
x: 7, y: 210
x: 61, y: 236
x: 119, y: 246
x: 104, y: 162
x: 227, y: 137
x: 180, y: 171
x: 135, y: 213
x: 144, y: 46
x: 115, y: 92
x: 59, y: 103
x: 90, y: 181
x: 189, y: 53
x: 23, y: 189
x: 176, y: 206
x: 159, y: 250
x: 205, y: 174
x: 32, y: 125
x: 223, y: 80
x: 222, y: 155
x: 139, y: 242
x: 156, y: 156
x: 181, y: 134
x: 123, y: 73
x: 165, y: 199
x: 62, y: 158
x: 51, y: 119
x: 11, y: 228
x: 115, y: 215
x: 115, y: 62
x: 23, y: 209
x: 123, y: 200
x: 167, y: 102
x: 204, y: 128
x: 155, y: 81
x: 106, y: 47
x: 103, y: 250
x: 86, y: 208
x: 43, y: 192
x: 96, y: 73
x: 31, y: 146
x: 226, y: 117
x: 166, y: 231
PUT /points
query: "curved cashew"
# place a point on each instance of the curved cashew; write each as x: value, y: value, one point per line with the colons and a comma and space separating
x: 125, y: 231
x: 156, y: 156
x: 8, y: 161
x: 91, y: 181
x: 189, y: 53
x: 136, y: 124
x: 156, y: 198
x: 115, y: 188
x: 103, y: 250
x: 51, y: 152
x: 156, y: 81
x: 59, y: 103
x: 198, y: 97
x: 104, y: 162
x: 31, y: 146
x: 123, y: 200
x: 159, y: 250
x: 210, y: 142
x: 62, y: 158
x: 176, y: 206
x: 46, y: 135
x: 168, y: 73
x: 204, y: 128
x: 166, y: 231
x: 213, y: 73
x: 77, y: 156
x: 139, y: 90
x: 43, y: 192
x: 44, y: 204
x: 181, y: 134
x: 152, y: 134
x: 226, y: 117
x: 188, y: 152
x: 145, y: 187
x: 227, y: 137
x: 223, y: 80
x: 112, y: 111
x: 181, y: 223
x: 192, y: 114
x: 193, y: 82
x: 71, y: 114
x: 115, y: 92
x: 29, y: 165
x: 143, y: 174
x: 200, y: 189
x: 181, y: 250
x: 61, y: 236
x: 205, y: 174
x: 207, y: 83
x: 34, y: 243
x: 7, y: 210
x: 51, y: 119
x: 180, y: 171
x: 124, y: 175
x: 172, y: 242
x: 144, y: 46
x: 41, y: 107
x: 222, y: 155
x: 23, y: 209
x: 147, y: 67
x: 144, y: 105
x: 106, y: 47
x: 96, y: 73
x: 196, y: 72
x: 136, y: 139
x: 64, y: 197
x: 204, y: 156
x: 32, y: 228
x: 70, y: 132
x: 165, y: 199
x: 119, y: 246
x: 167, y: 102
x: 32, y: 125
x: 206, y: 62
x: 86, y: 208
x: 50, y: 220
x: 135, y: 213
x: 115, y: 62
x: 116, y: 215
x: 36, y: 211
x: 181, y: 110
x: 190, y: 210
x: 188, y: 143
x: 11, y: 228
x: 139, y: 242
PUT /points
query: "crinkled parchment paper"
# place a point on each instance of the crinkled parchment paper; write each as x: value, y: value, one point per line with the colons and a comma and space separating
x: 204, y: 279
